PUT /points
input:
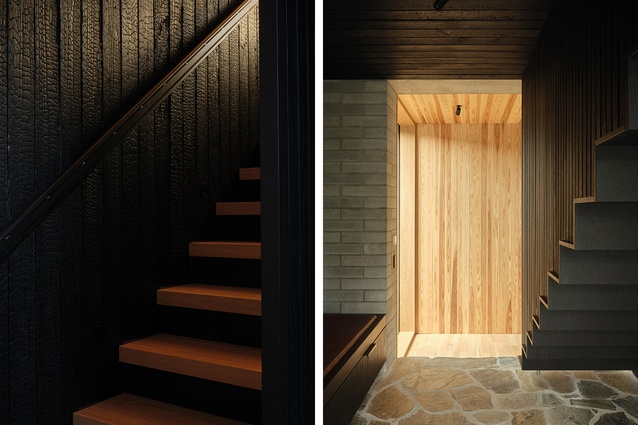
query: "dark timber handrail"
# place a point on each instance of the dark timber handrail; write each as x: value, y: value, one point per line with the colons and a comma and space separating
x: 22, y: 226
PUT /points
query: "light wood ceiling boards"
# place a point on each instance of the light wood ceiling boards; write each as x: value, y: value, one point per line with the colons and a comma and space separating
x: 408, y: 39
x: 475, y: 108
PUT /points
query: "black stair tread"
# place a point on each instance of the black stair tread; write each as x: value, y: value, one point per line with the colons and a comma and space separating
x: 225, y: 249
x: 238, y: 208
x: 584, y: 352
x: 578, y: 364
x: 253, y: 173
x: 581, y: 320
x: 598, y: 267
x: 214, y: 361
x: 591, y: 296
x: 587, y: 338
x: 200, y: 296
x: 622, y: 136
x: 127, y: 409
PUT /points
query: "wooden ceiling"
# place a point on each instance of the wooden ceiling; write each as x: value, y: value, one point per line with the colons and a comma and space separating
x: 475, y: 108
x: 406, y: 39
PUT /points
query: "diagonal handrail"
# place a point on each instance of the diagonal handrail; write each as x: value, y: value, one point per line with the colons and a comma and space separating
x: 22, y: 226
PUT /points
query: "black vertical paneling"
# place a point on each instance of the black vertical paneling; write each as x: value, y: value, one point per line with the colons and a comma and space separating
x: 287, y: 191
x: 162, y: 137
x: 21, y: 173
x: 92, y: 377
x: 253, y: 84
x: 133, y: 288
x: 140, y: 294
x: 71, y: 287
x: 107, y: 328
x: 4, y: 220
x: 47, y: 160
x: 85, y: 280
x: 573, y: 93
x: 224, y: 116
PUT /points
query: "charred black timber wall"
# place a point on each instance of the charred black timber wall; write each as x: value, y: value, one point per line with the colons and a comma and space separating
x: 574, y: 92
x: 84, y: 281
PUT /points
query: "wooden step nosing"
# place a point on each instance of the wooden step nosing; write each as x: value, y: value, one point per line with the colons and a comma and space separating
x: 248, y: 174
x: 201, y: 359
x: 537, y: 321
x: 544, y: 300
x: 225, y: 249
x: 529, y: 337
x: 235, y: 300
x: 567, y: 244
x: 554, y: 276
x: 128, y: 408
x: 238, y: 208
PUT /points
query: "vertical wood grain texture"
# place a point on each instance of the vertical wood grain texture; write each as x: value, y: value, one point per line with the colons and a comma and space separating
x: 85, y: 279
x: 408, y: 204
x: 4, y: 220
x: 574, y: 92
x: 468, y: 228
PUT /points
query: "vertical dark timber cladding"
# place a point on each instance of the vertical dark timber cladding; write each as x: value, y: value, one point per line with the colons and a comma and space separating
x: 4, y: 219
x: 132, y: 288
x: 161, y: 167
x: 91, y: 377
x: 176, y: 156
x: 287, y: 149
x: 108, y: 329
x: 573, y: 93
x: 71, y: 247
x: 189, y: 130
x: 214, y: 159
x: 47, y: 160
x: 143, y: 293
x: 201, y: 195
x: 224, y: 110
x: 21, y: 171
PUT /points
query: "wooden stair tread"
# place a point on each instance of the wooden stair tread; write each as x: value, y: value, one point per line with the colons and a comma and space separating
x: 217, y: 249
x: 238, y: 208
x: 250, y: 173
x: 214, y: 361
x: 126, y: 409
x: 199, y: 296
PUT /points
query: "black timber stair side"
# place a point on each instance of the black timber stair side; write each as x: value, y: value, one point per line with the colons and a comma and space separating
x: 173, y: 356
x: 589, y: 317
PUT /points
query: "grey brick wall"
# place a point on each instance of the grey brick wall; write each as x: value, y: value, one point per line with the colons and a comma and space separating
x: 360, y: 200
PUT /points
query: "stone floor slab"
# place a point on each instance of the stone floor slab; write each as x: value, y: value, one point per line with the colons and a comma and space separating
x: 594, y: 389
x: 472, y: 398
x: 618, y: 418
x: 423, y: 418
x: 499, y: 381
x: 390, y: 403
x: 529, y: 417
x: 436, y: 379
x: 629, y: 405
x: 435, y: 401
x: 624, y: 381
x: 493, y: 417
x: 565, y: 415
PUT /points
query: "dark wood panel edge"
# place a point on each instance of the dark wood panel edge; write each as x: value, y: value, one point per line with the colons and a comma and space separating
x: 339, y: 373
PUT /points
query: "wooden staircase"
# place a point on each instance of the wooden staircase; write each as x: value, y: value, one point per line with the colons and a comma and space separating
x: 589, y: 317
x: 195, y: 360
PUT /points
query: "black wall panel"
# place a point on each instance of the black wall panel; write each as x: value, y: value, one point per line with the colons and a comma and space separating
x: 574, y: 92
x: 85, y: 280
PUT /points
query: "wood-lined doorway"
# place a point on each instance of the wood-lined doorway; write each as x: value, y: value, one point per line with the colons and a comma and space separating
x: 459, y: 214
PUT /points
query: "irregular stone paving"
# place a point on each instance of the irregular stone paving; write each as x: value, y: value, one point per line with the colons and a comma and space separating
x: 495, y: 391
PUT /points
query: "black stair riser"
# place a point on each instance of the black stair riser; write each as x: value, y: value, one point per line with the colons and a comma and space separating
x: 225, y: 271
x: 598, y: 267
x: 210, y: 325
x: 229, y: 401
x: 591, y: 297
x: 616, y: 173
x: 542, y: 338
x: 606, y: 226
x: 578, y: 364
x: 588, y: 320
x: 594, y: 353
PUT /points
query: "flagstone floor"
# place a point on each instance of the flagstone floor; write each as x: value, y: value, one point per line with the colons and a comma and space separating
x: 495, y: 391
